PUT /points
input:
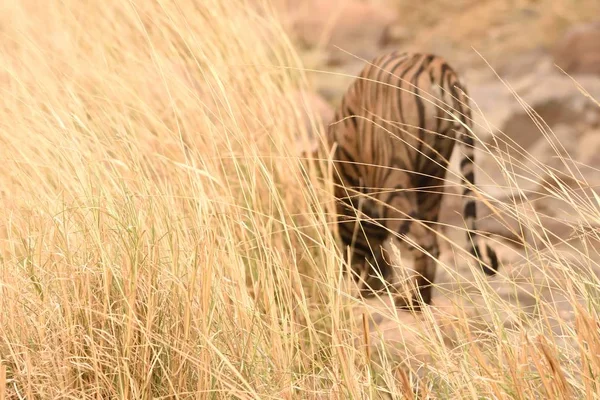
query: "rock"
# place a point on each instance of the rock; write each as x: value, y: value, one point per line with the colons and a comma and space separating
x: 492, y: 105
x: 314, y: 108
x: 526, y: 159
x: 556, y: 179
x: 589, y: 149
x: 562, y: 111
x: 578, y: 52
x: 395, y: 35
x: 555, y: 99
x: 552, y: 151
x: 533, y: 62
x: 526, y: 186
x: 354, y: 26
x: 315, y: 113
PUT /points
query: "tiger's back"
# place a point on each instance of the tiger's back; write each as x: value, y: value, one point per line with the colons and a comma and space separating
x: 395, y: 130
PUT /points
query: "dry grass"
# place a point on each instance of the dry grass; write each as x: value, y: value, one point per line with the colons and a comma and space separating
x: 160, y: 239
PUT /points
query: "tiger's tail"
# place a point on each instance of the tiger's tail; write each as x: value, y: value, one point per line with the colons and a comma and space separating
x: 486, y: 255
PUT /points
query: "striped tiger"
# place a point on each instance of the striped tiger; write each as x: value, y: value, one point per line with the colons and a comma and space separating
x: 394, y: 133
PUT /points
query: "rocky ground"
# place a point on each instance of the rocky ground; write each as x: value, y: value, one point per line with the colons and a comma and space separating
x: 502, y: 49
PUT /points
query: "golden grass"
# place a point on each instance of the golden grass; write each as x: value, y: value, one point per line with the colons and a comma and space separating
x: 160, y: 238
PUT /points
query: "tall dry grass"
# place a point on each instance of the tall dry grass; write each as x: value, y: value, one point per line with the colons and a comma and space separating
x: 152, y: 242
x: 160, y: 238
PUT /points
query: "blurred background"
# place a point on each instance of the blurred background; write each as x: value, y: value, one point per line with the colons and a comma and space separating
x: 512, y: 36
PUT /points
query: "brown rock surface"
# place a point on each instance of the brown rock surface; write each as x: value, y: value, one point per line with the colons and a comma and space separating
x: 578, y: 52
x: 354, y: 26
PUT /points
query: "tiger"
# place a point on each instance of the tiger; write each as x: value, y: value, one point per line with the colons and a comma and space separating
x: 391, y: 140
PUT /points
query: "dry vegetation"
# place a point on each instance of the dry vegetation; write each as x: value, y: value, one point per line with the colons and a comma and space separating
x: 160, y: 238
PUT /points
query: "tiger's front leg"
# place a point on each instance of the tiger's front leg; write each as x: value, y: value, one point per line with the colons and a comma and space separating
x: 362, y: 242
x: 377, y: 272
x: 422, y: 243
x: 425, y: 256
